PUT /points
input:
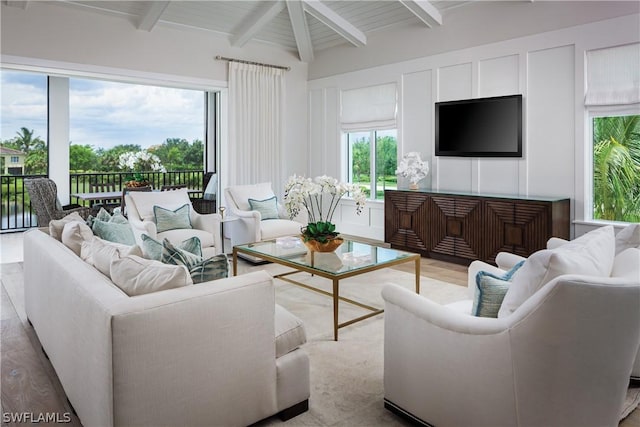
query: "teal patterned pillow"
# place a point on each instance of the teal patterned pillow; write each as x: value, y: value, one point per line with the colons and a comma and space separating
x: 153, y: 249
x: 167, y: 219
x: 201, y: 270
x: 105, y: 216
x: 490, y: 291
x: 114, y: 232
x: 268, y: 208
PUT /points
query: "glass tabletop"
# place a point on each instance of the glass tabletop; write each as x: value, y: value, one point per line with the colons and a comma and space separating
x: 350, y: 256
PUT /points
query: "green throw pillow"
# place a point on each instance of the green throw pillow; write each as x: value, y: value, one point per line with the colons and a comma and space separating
x: 167, y: 219
x: 201, y: 270
x: 490, y: 291
x: 153, y: 249
x: 268, y: 208
x: 114, y: 232
x: 105, y: 216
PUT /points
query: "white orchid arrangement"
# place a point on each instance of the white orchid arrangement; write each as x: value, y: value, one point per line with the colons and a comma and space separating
x: 140, y: 161
x: 313, y: 195
x: 413, y: 167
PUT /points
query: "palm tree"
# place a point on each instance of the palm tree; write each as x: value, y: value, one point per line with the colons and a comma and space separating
x: 616, y: 168
x: 26, y: 141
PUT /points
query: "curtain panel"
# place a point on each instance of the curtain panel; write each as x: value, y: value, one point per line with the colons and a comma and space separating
x: 256, y: 132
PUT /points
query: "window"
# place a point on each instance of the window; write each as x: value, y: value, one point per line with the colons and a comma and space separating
x: 372, y: 160
x: 110, y: 118
x: 613, y: 104
x: 24, y: 118
x: 615, y: 146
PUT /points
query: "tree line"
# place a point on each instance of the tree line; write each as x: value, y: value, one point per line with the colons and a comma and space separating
x: 175, y: 154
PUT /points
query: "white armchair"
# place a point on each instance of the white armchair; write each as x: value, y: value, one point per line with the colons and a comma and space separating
x: 141, y: 217
x: 250, y: 227
x: 563, y: 357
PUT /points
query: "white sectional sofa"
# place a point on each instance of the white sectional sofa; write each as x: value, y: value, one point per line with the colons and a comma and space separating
x: 215, y: 353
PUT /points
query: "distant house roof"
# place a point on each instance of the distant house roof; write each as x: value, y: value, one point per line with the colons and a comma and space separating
x: 10, y: 151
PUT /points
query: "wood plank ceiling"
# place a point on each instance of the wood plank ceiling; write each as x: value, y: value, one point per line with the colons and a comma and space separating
x: 305, y: 26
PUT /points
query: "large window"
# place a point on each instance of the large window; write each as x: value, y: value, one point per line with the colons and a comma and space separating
x: 372, y: 160
x: 616, y: 165
x: 110, y: 118
x: 24, y: 118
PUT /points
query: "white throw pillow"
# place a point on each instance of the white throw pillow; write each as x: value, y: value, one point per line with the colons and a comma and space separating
x: 100, y: 253
x: 628, y: 237
x: 627, y: 264
x: 591, y: 254
x: 57, y: 225
x: 74, y: 234
x: 137, y: 276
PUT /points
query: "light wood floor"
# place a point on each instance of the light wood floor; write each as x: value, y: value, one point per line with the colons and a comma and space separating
x: 28, y: 381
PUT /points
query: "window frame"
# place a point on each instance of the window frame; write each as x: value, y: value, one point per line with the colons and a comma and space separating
x: 347, y: 165
x: 593, y: 112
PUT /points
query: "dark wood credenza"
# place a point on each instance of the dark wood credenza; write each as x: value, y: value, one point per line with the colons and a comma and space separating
x: 464, y: 227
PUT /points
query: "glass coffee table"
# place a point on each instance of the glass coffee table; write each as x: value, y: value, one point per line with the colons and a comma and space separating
x: 350, y: 259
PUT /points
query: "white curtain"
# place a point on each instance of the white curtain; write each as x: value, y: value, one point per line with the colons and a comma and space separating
x: 367, y: 108
x: 256, y: 106
x: 613, y: 75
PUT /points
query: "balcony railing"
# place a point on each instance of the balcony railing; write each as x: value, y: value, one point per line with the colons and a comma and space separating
x: 15, y: 205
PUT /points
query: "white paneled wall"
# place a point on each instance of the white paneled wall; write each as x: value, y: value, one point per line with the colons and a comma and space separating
x: 545, y: 68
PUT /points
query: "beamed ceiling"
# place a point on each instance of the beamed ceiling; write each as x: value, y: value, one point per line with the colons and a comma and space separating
x: 304, y: 26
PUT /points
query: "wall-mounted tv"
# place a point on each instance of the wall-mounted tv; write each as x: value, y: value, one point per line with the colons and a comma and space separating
x: 481, y: 127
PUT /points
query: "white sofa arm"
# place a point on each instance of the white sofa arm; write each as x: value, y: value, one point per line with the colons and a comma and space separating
x: 507, y: 260
x: 209, y: 223
x: 219, y: 335
x: 555, y: 242
x: 142, y: 227
x: 432, y: 353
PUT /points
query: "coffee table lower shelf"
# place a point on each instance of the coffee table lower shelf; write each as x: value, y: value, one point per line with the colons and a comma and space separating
x: 335, y: 277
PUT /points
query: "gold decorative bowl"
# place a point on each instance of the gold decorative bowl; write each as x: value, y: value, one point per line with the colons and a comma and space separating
x: 329, y: 246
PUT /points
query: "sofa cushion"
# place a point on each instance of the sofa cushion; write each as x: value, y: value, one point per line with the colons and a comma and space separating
x: 290, y: 332
x: 138, y: 276
x: 153, y: 249
x: 167, y: 219
x: 627, y: 264
x: 591, y: 254
x: 74, y: 234
x: 628, y: 237
x: 242, y: 193
x: 57, y: 225
x: 201, y: 270
x: 100, y: 253
x: 114, y: 231
x: 490, y: 291
x: 268, y: 208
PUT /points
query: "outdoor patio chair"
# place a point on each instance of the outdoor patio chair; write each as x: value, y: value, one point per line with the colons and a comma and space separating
x: 104, y: 187
x: 43, y: 193
x: 172, y: 187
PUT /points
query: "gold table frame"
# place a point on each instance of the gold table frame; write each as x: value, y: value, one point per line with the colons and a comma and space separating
x: 334, y: 277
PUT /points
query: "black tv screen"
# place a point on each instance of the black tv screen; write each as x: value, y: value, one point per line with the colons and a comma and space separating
x: 481, y: 127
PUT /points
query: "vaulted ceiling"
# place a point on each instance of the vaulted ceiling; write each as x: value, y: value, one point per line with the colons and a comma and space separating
x: 305, y: 26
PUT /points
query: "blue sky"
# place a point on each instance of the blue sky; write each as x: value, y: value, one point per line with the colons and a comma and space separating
x: 103, y: 114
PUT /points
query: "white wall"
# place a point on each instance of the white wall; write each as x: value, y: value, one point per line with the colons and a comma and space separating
x: 50, y: 37
x: 547, y: 68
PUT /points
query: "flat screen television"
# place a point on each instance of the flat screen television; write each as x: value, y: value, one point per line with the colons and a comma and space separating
x: 481, y: 127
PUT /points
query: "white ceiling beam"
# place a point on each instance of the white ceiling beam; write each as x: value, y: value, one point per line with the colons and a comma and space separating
x: 22, y: 4
x: 300, y: 30
x: 152, y: 15
x: 336, y: 22
x: 424, y: 10
x: 256, y: 22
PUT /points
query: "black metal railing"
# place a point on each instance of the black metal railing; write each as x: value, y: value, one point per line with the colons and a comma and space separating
x: 15, y: 206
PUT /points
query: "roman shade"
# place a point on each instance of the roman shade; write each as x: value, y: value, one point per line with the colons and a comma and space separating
x: 372, y: 107
x: 613, y: 75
